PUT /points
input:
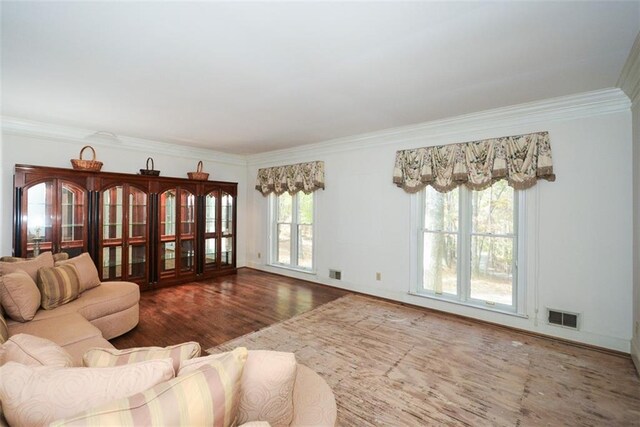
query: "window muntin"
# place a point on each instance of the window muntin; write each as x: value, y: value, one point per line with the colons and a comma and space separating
x: 292, y: 231
x: 469, y: 245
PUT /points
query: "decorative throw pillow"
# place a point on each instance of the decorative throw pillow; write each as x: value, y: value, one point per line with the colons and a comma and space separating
x: 34, y: 351
x: 19, y: 295
x: 36, y: 396
x: 4, y: 330
x: 58, y: 285
x: 11, y: 259
x: 103, y: 357
x: 267, y: 384
x: 87, y: 271
x: 60, y: 256
x: 30, y: 266
x: 205, y: 396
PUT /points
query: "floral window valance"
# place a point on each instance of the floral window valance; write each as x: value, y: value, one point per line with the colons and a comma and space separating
x: 521, y: 160
x: 306, y: 177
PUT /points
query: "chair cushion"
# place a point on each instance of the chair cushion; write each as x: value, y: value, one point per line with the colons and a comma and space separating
x: 204, y: 395
x: 19, y: 295
x: 39, y: 395
x: 34, y: 351
x: 58, y: 285
x: 87, y: 271
x: 30, y: 266
x: 104, y: 357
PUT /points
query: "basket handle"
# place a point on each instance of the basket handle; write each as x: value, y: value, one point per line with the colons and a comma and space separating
x: 92, y: 150
x: 199, y: 169
x: 152, y: 165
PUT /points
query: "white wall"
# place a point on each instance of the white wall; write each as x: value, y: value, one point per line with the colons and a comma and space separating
x: 635, y: 342
x: 585, y: 262
x: 56, y: 151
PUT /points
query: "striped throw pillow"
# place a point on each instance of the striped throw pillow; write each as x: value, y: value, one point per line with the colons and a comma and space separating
x: 58, y: 285
x: 207, y: 396
x: 105, y: 357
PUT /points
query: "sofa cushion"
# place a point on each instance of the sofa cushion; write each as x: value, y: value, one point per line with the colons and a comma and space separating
x: 4, y: 329
x: 62, y: 330
x: 58, y: 285
x: 206, y: 395
x: 30, y: 266
x: 267, y: 384
x: 39, y: 395
x: 34, y: 351
x: 87, y: 271
x: 60, y: 256
x: 104, y: 357
x: 19, y: 295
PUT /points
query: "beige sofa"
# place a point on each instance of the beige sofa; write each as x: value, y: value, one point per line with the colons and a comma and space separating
x: 99, y: 312
x: 97, y: 315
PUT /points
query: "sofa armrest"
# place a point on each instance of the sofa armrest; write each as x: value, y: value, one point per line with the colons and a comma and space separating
x: 313, y: 400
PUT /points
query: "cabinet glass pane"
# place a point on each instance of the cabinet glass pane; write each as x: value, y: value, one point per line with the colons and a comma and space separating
x: 187, y: 255
x: 187, y: 213
x: 112, y: 262
x: 227, y: 251
x: 168, y: 213
x: 168, y: 256
x: 72, y: 213
x: 210, y: 213
x: 305, y: 246
x: 112, y: 213
x: 137, y: 261
x: 137, y: 213
x: 210, y: 252
x: 227, y: 213
x: 39, y: 216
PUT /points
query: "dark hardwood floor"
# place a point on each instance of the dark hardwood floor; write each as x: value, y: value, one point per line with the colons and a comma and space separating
x: 214, y: 311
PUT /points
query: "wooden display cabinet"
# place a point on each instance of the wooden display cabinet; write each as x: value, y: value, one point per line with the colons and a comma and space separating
x: 154, y: 231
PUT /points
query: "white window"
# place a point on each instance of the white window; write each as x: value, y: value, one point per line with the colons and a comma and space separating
x: 292, y: 231
x: 468, y: 246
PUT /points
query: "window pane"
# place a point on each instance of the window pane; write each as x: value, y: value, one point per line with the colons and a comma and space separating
x: 493, y: 209
x: 440, y: 263
x: 305, y: 246
x: 284, y: 207
x: 284, y: 244
x: 305, y: 208
x: 441, y: 210
x: 492, y: 269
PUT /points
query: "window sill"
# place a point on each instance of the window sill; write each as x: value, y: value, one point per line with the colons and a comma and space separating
x: 298, y: 270
x: 467, y: 304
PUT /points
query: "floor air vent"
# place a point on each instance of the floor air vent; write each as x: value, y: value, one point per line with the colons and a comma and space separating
x: 335, y: 274
x: 562, y: 318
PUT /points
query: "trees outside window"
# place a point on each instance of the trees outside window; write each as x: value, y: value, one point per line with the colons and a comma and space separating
x: 469, y: 242
x: 292, y: 231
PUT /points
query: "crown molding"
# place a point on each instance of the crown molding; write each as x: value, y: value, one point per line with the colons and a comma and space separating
x: 51, y: 132
x: 629, y: 80
x: 563, y: 108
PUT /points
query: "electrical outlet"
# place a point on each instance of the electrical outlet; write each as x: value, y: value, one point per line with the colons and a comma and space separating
x: 378, y: 276
x: 259, y: 255
x: 637, y: 329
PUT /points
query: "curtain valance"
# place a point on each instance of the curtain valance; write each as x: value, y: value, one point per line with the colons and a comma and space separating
x: 521, y: 160
x: 306, y: 177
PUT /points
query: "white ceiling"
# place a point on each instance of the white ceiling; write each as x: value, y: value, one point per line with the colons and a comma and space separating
x: 246, y: 78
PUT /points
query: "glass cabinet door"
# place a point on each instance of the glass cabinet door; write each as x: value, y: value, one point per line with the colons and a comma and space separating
x: 187, y: 230
x: 137, y: 235
x: 72, y: 219
x: 168, y: 231
x: 210, y: 237
x: 38, y: 218
x: 124, y: 233
x: 112, y: 237
x: 226, y: 249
